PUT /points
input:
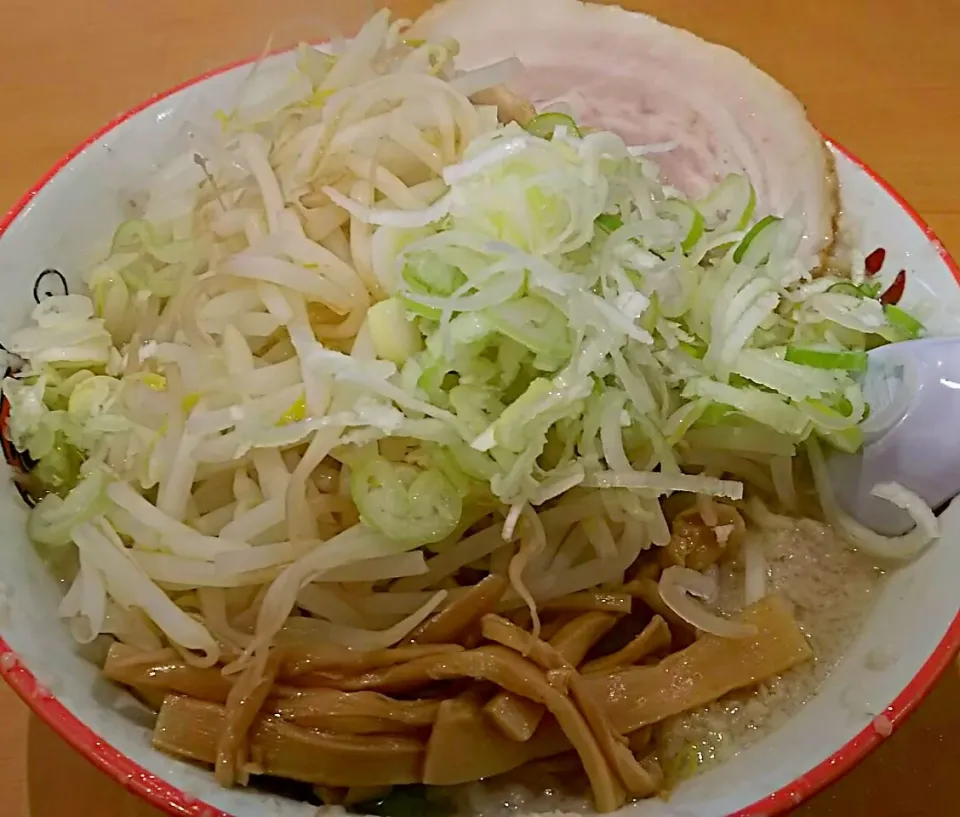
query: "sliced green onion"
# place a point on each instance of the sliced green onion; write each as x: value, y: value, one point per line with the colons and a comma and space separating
x: 680, y: 767
x: 715, y: 413
x: 431, y: 380
x: 425, y: 274
x: 458, y: 456
x: 56, y: 516
x: 405, y: 503
x: 760, y: 237
x: 741, y: 382
x: 688, y: 217
x: 137, y: 235
x: 846, y: 288
x: 730, y: 205
x: 395, y: 336
x: 535, y: 323
x: 903, y: 321
x: 650, y: 316
x: 608, y: 222
x: 866, y: 290
x: 432, y: 275
x: 59, y: 469
x: 849, y: 440
x: 545, y: 124
x: 871, y: 289
x: 134, y: 234
x: 694, y: 351
x: 830, y: 417
x: 295, y: 413
x: 417, y: 308
x: 510, y: 430
x: 851, y: 361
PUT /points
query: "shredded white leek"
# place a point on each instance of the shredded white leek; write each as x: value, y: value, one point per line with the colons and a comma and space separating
x: 678, y: 584
x: 899, y: 548
x: 755, y: 571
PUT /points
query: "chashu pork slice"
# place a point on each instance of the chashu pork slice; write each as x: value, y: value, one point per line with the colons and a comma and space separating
x: 652, y: 83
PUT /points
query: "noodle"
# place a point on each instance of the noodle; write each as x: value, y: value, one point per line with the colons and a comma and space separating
x: 530, y: 547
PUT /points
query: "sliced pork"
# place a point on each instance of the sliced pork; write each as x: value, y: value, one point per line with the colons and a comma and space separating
x: 653, y: 84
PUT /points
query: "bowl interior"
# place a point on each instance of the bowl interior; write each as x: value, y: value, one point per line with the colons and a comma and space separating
x: 67, y: 224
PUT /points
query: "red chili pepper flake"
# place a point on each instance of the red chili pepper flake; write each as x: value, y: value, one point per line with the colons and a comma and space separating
x: 894, y: 292
x: 873, y: 262
x: 9, y: 452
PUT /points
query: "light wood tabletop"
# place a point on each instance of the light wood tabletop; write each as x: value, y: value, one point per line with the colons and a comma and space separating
x: 881, y: 78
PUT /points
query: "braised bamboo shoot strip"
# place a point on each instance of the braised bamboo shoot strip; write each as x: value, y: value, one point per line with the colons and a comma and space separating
x: 244, y: 701
x: 519, y: 717
x: 463, y: 723
x: 647, y: 695
x: 331, y: 710
x: 706, y: 670
x: 635, y: 779
x: 190, y: 729
x: 655, y: 638
x: 166, y: 672
x: 450, y: 623
x: 591, y: 600
x: 649, y: 591
x: 306, y: 658
x: 614, y: 748
x: 631, y: 700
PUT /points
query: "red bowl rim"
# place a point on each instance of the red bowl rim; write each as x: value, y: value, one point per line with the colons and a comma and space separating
x: 175, y: 801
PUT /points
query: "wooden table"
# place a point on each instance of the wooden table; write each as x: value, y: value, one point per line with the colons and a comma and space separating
x: 878, y: 77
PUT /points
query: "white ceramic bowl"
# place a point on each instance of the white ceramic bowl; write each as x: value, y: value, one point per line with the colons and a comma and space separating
x: 68, y: 218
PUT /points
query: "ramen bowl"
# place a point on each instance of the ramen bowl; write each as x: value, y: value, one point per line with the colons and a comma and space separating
x: 65, y: 222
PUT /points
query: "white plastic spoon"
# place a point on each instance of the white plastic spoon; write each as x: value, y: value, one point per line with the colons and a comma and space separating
x: 912, y: 435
